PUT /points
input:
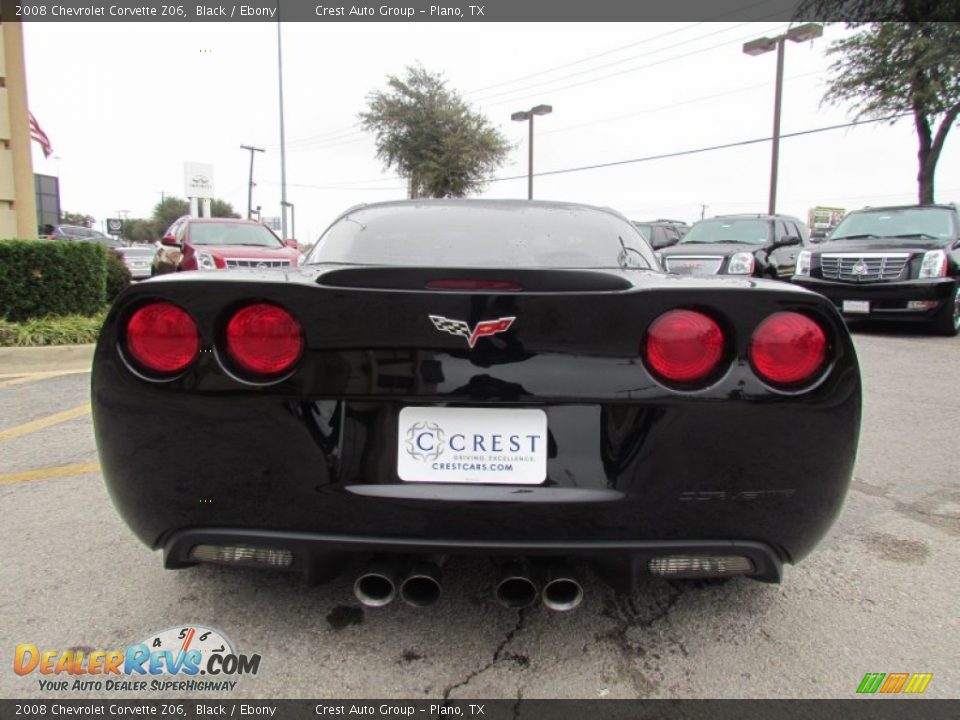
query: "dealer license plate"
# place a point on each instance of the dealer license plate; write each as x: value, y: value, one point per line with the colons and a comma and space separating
x: 856, y: 306
x: 472, y: 445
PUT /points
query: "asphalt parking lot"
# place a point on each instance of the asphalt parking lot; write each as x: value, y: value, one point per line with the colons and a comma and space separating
x: 878, y: 595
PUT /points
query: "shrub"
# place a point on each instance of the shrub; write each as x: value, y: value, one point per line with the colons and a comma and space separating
x: 65, y: 330
x: 49, y: 277
x: 118, y: 277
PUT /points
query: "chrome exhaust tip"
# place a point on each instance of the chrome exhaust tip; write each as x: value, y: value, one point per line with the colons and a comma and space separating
x: 422, y: 586
x: 376, y: 586
x: 562, y: 590
x: 516, y: 587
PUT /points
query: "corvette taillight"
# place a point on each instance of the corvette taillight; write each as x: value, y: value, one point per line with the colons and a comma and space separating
x: 264, y: 340
x: 162, y: 339
x: 684, y: 346
x: 788, y: 348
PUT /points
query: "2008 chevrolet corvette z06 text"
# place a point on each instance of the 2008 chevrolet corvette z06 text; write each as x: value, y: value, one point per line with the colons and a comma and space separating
x: 513, y: 379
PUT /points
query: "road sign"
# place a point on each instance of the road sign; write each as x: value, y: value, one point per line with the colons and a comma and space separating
x: 114, y: 226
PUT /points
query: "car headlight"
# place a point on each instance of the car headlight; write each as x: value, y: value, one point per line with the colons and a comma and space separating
x: 803, y: 263
x: 205, y: 261
x: 741, y: 264
x: 934, y: 264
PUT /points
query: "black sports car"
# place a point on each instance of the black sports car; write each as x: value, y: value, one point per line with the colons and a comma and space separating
x: 513, y: 379
x: 891, y: 263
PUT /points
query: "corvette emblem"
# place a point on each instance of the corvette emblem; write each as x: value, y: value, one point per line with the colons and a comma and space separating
x: 485, y: 328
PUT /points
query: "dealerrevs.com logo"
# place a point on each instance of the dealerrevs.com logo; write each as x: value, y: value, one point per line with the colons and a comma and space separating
x: 187, y: 658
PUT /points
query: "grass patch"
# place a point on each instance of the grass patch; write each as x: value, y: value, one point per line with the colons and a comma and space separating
x: 52, y: 330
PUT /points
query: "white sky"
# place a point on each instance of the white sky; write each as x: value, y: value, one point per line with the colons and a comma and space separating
x: 125, y: 105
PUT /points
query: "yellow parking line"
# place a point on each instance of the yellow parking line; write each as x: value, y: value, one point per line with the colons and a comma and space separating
x: 33, y: 377
x: 50, y: 472
x: 45, y: 422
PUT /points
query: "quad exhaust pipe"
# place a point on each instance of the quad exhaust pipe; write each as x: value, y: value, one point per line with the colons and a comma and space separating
x: 383, y: 579
x: 421, y: 584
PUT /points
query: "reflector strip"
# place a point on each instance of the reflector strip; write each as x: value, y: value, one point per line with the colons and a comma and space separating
x: 242, y: 555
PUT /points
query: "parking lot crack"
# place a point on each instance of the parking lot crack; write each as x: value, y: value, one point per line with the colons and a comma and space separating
x: 499, y: 655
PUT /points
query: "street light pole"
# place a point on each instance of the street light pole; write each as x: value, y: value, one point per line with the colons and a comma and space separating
x: 807, y: 31
x: 528, y: 116
x: 775, y: 152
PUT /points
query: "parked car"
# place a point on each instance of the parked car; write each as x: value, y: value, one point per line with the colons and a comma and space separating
x: 661, y: 233
x: 756, y: 245
x: 891, y: 263
x: 514, y: 379
x: 73, y: 232
x: 193, y: 243
x: 137, y: 258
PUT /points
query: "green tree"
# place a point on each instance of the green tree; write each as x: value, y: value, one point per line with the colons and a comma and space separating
x: 139, y: 230
x: 222, y: 209
x: 72, y: 218
x: 432, y: 137
x: 168, y: 210
x: 902, y: 69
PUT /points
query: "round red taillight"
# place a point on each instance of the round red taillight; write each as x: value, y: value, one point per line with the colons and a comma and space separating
x: 684, y: 346
x: 264, y: 339
x: 162, y: 338
x: 788, y: 348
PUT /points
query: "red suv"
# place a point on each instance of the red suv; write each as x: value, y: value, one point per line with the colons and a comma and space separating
x: 218, y: 243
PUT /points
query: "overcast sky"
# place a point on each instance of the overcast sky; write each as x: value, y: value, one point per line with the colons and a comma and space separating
x: 125, y: 105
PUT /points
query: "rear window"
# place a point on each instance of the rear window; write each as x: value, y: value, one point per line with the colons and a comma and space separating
x: 202, y: 233
x: 481, y: 235
x: 936, y: 222
x: 751, y: 231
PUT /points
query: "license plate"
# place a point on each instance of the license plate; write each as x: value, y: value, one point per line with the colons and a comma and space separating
x: 856, y: 306
x: 472, y: 445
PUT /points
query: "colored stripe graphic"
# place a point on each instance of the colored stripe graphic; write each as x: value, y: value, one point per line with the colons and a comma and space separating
x: 894, y: 682
x: 918, y: 682
x: 871, y: 682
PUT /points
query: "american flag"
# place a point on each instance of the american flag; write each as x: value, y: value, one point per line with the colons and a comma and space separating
x: 37, y: 133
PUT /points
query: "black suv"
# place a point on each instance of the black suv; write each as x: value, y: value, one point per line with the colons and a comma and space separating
x: 661, y: 233
x: 891, y: 263
x: 757, y: 245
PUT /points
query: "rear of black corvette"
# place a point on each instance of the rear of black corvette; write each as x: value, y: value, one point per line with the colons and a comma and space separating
x: 652, y: 425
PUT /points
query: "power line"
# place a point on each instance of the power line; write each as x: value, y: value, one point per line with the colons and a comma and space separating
x: 618, y: 49
x: 654, y: 51
x: 538, y: 87
x: 659, y: 108
x: 711, y: 148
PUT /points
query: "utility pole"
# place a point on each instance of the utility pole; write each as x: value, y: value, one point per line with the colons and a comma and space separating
x: 703, y: 210
x: 250, y: 187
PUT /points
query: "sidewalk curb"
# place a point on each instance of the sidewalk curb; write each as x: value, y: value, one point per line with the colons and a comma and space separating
x: 49, y: 358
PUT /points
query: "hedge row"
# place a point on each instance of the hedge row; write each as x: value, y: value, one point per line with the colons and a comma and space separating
x: 48, y: 277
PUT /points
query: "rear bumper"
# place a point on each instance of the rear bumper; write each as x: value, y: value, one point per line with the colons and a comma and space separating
x: 623, y: 563
x: 887, y: 299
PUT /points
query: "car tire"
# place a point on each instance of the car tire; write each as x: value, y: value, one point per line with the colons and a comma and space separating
x: 947, y: 320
